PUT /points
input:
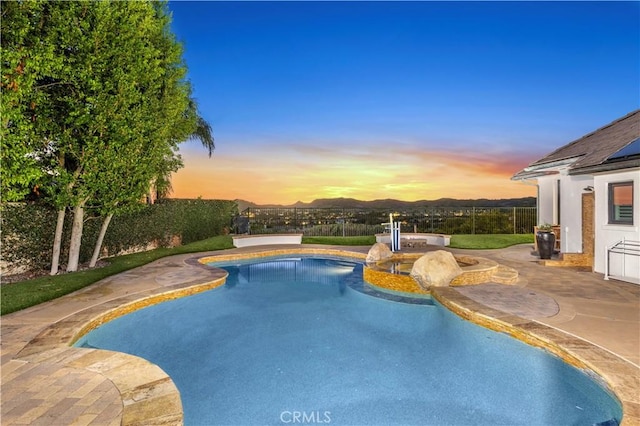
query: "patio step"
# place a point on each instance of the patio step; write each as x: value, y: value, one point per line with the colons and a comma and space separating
x: 569, y: 259
x: 505, y: 275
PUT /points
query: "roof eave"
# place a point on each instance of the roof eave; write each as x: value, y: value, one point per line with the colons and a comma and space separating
x: 551, y: 168
x: 523, y: 175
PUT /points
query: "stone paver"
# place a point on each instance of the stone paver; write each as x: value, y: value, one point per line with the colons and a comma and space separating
x: 605, y: 313
x: 523, y: 302
x: 588, y: 321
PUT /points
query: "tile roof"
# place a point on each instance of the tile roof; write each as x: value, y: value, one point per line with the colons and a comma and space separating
x: 592, y: 150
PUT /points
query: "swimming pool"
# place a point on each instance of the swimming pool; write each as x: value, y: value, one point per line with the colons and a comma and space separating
x: 302, y: 338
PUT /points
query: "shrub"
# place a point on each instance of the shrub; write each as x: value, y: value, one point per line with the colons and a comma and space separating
x: 28, y: 229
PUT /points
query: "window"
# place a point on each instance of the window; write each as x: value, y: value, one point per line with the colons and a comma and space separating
x: 621, y: 203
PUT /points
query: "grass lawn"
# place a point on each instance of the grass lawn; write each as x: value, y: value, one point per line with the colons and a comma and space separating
x: 493, y: 241
x: 23, y: 294
x: 477, y: 241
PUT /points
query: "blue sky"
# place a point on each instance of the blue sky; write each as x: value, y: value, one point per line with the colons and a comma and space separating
x: 406, y: 100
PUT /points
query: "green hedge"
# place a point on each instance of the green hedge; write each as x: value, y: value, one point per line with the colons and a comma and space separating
x: 28, y: 229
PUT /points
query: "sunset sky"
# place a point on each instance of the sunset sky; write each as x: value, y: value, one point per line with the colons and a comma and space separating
x: 404, y: 100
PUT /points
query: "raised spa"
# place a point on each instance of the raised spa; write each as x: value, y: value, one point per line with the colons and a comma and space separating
x: 393, y: 273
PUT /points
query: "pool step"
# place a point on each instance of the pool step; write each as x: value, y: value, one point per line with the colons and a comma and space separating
x: 356, y: 282
x: 505, y: 275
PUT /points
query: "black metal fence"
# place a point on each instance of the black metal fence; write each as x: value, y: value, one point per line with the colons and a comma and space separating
x: 359, y: 222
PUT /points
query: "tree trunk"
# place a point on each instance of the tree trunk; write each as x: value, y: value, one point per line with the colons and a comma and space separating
x: 57, y: 242
x: 76, y: 237
x: 96, y: 250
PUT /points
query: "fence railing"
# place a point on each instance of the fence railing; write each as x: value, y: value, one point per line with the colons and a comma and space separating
x: 359, y: 222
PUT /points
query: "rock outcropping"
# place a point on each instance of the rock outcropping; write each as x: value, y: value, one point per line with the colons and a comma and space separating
x: 435, y: 269
x: 379, y: 251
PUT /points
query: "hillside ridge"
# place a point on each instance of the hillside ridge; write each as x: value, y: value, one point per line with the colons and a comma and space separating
x: 389, y: 203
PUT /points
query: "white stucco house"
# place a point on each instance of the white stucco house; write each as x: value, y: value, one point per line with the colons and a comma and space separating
x: 590, y: 188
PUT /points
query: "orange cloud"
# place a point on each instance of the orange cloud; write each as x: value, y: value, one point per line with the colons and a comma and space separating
x: 290, y: 172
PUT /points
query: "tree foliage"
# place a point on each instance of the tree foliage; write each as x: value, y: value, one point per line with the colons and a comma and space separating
x: 25, y: 60
x: 98, y: 104
x: 203, y: 133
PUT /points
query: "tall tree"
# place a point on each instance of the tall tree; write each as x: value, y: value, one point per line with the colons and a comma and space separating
x: 203, y: 132
x: 29, y: 67
x: 115, y: 108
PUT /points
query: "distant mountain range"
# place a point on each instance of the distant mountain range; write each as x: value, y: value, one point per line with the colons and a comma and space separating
x: 352, y: 203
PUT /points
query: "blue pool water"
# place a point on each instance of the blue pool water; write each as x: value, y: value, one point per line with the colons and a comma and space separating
x: 303, y: 340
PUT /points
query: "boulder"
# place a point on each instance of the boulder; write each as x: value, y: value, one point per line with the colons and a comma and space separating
x: 435, y: 269
x: 379, y: 251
